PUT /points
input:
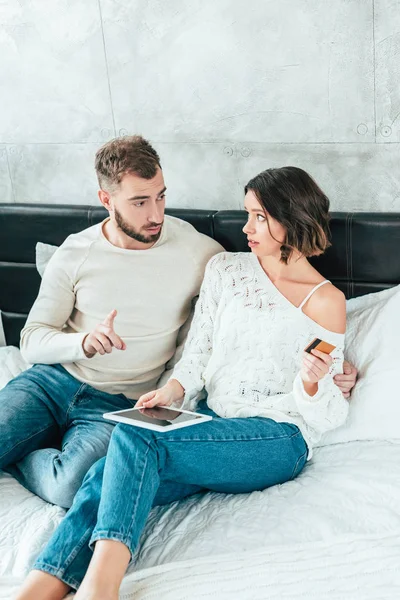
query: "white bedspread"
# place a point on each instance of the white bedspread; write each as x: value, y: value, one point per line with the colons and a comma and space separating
x: 346, y: 570
x: 332, y: 533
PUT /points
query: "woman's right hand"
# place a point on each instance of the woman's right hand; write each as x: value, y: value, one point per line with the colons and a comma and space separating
x: 165, y: 396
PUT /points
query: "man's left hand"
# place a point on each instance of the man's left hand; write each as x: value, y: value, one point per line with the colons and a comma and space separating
x: 347, y: 380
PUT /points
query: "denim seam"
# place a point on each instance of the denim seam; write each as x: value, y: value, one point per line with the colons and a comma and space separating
x: 59, y: 573
x: 128, y: 539
x: 25, y: 440
x: 72, y: 403
x: 300, y: 458
x: 139, y: 490
x: 297, y: 434
x: 73, y: 554
x: 257, y: 439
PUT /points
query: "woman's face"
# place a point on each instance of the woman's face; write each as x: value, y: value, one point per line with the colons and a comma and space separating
x: 261, y: 229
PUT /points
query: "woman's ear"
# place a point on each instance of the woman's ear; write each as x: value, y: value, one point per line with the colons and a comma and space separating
x: 286, y: 251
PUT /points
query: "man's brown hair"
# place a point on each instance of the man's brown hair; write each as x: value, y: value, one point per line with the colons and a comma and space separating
x: 131, y: 154
x: 293, y: 199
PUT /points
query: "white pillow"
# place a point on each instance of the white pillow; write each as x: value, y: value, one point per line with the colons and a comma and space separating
x: 11, y: 361
x: 11, y: 364
x: 372, y: 345
x: 44, y: 252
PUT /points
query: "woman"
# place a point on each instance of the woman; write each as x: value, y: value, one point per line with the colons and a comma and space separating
x: 256, y: 314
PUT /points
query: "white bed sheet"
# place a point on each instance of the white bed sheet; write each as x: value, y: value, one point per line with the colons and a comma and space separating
x: 342, y: 514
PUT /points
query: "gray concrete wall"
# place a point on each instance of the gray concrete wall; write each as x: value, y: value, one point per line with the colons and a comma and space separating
x: 223, y: 89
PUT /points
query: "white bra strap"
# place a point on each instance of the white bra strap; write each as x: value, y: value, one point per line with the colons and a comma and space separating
x: 312, y: 291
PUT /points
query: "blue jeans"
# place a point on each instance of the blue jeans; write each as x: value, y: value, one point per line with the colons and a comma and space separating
x: 52, y: 427
x: 144, y: 468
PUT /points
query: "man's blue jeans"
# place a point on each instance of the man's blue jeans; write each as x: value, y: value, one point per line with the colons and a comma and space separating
x: 52, y: 430
x: 144, y: 468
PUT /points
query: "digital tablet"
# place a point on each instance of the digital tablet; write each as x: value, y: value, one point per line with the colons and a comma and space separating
x: 159, y: 418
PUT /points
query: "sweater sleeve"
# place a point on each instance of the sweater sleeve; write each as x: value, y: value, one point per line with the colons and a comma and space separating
x: 328, y: 408
x: 180, y: 344
x: 198, y: 348
x: 205, y: 248
x: 42, y: 338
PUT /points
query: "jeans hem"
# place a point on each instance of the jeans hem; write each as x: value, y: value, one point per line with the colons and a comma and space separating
x: 57, y: 572
x: 110, y: 535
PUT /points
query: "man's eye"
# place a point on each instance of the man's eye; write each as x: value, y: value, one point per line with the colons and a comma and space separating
x: 139, y: 204
x: 161, y: 197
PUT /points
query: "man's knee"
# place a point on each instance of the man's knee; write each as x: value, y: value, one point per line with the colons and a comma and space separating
x: 65, y: 490
x: 61, y: 486
x: 62, y: 493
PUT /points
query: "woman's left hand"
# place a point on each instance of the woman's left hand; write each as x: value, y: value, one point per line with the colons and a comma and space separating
x: 315, y: 366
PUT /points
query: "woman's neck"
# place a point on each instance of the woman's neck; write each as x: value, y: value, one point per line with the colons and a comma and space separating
x: 277, y: 270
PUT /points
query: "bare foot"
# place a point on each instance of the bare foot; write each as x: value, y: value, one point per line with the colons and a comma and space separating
x: 42, y: 586
x: 91, y: 592
x: 106, y: 570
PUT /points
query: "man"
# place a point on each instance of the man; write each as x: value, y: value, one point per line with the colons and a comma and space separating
x: 112, y: 301
x: 105, y: 324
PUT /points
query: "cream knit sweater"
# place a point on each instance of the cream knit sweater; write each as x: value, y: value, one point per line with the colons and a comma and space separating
x: 245, y: 347
x: 151, y: 289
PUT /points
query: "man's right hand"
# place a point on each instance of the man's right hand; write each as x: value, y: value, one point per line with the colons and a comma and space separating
x: 103, y: 339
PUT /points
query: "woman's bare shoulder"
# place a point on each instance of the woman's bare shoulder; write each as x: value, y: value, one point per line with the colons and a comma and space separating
x: 327, y: 306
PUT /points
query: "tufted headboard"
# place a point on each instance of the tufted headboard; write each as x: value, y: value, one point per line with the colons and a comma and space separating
x: 364, y: 257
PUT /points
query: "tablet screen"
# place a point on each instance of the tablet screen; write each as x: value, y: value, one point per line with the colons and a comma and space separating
x: 163, y: 417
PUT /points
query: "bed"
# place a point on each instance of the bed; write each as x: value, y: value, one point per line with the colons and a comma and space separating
x: 332, y: 533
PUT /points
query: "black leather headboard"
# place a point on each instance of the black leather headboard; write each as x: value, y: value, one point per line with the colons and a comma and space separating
x: 364, y: 256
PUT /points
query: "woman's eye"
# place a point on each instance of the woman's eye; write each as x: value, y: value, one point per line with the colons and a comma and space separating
x: 260, y: 218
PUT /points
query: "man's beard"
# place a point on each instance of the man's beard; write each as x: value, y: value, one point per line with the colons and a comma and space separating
x: 131, y: 231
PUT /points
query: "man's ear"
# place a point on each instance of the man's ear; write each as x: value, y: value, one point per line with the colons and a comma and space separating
x: 104, y: 198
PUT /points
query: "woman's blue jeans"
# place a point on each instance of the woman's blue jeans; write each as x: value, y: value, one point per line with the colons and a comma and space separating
x: 145, y: 468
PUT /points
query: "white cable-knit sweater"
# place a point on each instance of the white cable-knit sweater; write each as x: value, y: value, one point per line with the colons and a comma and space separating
x: 245, y: 348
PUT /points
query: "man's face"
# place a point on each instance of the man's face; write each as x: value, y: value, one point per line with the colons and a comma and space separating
x: 137, y: 207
